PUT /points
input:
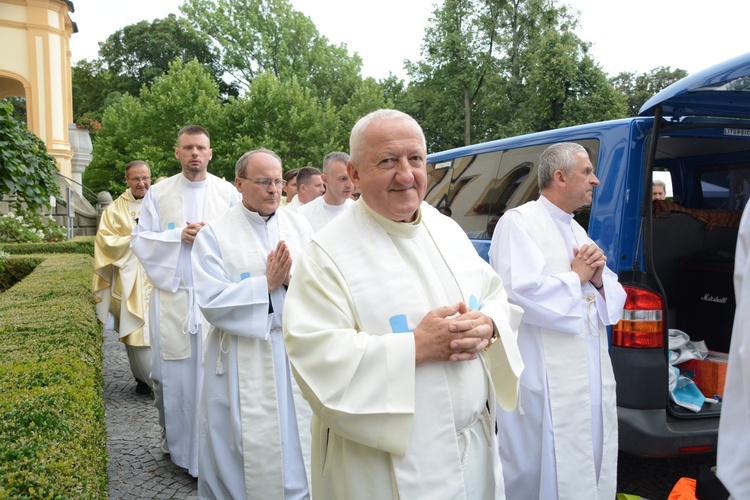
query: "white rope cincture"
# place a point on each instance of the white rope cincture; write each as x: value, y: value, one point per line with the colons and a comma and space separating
x: 394, y: 484
x: 466, y: 434
x: 190, y: 325
x: 223, y: 342
x: 591, y: 301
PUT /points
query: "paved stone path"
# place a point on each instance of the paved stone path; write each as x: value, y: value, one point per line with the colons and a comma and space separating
x: 137, y: 468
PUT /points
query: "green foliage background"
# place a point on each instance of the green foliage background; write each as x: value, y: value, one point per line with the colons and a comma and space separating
x: 489, y: 69
x: 26, y: 169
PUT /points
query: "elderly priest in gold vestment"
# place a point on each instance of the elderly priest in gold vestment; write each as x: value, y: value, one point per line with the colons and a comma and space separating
x: 120, y: 284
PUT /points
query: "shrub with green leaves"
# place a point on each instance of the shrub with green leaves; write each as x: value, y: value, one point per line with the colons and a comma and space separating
x: 25, y: 225
x: 13, y: 269
x: 52, y: 425
x: 26, y: 170
x: 3, y: 261
x: 79, y: 244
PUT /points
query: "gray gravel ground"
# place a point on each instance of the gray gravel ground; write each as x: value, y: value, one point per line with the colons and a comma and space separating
x: 654, y: 478
x: 137, y: 468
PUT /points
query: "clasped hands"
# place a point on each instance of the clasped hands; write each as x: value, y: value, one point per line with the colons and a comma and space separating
x: 190, y: 231
x: 279, y: 266
x: 452, y: 333
x: 588, y: 263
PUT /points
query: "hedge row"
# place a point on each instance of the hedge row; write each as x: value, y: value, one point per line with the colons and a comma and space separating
x: 15, y: 269
x: 52, y: 424
x: 79, y: 244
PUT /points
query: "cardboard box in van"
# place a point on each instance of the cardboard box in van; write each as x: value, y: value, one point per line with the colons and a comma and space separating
x: 709, y: 374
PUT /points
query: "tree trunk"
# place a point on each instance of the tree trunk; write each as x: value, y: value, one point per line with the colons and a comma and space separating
x: 467, y: 117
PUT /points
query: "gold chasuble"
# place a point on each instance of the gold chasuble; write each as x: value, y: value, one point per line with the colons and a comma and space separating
x: 120, y: 284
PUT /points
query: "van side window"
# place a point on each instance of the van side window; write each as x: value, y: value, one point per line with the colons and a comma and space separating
x: 725, y: 189
x: 482, y: 186
x: 501, y: 191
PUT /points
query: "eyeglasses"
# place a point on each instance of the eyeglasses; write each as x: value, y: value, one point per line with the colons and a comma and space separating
x: 265, y: 183
x: 356, y: 195
x: 139, y: 179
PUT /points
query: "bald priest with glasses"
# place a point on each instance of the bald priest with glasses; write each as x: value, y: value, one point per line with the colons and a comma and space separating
x: 255, y: 426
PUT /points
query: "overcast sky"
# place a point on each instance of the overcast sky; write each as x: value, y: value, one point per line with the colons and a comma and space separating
x: 636, y: 36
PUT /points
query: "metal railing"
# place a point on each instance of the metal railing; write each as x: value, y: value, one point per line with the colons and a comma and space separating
x: 90, y: 196
x: 70, y: 215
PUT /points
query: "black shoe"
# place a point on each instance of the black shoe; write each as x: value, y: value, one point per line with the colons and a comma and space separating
x: 142, y: 387
x: 163, y: 442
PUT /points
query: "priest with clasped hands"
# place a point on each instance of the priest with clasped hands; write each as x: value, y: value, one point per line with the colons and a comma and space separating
x: 402, y: 339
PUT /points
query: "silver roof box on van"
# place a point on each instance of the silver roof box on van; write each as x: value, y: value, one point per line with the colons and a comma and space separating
x: 703, y: 93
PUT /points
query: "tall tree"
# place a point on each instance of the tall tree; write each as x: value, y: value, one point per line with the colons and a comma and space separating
x: 459, y: 54
x: 638, y: 89
x: 504, y: 67
x: 92, y: 85
x: 282, y: 116
x: 140, y: 52
x: 145, y: 127
x: 565, y: 87
x: 259, y: 36
x: 301, y: 97
x: 368, y: 96
x: 134, y: 56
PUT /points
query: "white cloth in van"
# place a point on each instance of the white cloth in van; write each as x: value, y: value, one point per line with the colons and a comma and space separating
x: 682, y: 389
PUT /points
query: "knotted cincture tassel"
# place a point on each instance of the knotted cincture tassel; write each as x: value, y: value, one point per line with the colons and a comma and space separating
x: 219, y: 364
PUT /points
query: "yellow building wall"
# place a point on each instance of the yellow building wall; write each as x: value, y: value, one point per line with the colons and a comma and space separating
x: 35, y: 36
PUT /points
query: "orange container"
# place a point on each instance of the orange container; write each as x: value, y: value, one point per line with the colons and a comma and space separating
x: 710, y: 373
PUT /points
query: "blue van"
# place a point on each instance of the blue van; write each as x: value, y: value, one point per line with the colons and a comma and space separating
x: 675, y: 258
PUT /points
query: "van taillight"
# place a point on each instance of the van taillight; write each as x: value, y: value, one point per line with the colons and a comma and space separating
x: 642, y: 323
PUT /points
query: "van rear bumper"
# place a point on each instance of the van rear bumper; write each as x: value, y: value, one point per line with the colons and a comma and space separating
x: 652, y: 433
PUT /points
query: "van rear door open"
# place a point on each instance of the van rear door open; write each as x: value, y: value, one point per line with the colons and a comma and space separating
x: 719, y: 91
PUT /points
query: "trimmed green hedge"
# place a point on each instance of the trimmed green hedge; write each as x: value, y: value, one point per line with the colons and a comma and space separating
x: 52, y: 424
x: 15, y: 269
x: 79, y: 244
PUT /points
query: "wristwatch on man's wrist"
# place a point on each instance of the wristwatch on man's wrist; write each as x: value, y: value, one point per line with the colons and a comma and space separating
x: 495, y: 336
